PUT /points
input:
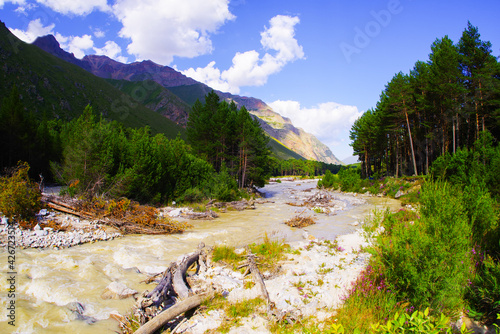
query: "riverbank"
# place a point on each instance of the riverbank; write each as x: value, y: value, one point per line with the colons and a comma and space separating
x: 309, y: 284
x: 51, y: 279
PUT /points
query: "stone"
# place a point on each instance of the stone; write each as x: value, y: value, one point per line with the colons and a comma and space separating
x: 37, y: 228
x: 175, y: 213
x: 41, y: 233
x: 116, y: 290
x: 399, y: 194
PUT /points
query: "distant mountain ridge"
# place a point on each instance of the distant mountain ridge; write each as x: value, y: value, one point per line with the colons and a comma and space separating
x: 186, y: 91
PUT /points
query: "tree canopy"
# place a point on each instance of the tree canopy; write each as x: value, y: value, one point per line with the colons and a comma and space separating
x: 440, y: 106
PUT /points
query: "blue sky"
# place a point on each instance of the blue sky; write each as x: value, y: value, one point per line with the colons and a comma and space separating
x: 320, y: 63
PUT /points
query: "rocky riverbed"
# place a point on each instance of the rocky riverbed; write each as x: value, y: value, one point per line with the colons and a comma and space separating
x: 312, y: 282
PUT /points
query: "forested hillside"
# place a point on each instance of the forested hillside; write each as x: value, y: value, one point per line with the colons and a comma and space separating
x: 441, y: 105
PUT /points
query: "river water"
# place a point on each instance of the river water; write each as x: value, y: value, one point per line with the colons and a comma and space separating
x: 47, y: 280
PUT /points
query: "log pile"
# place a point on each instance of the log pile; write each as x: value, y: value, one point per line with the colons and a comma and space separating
x: 126, y: 216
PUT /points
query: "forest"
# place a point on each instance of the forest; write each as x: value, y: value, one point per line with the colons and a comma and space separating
x: 436, y: 259
x: 440, y: 106
x: 226, y: 151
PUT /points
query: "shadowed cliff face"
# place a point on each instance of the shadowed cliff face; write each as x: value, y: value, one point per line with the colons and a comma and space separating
x: 185, y: 91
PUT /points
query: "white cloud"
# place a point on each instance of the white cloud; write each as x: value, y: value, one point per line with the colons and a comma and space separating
x: 17, y: 2
x: 112, y: 50
x: 35, y: 29
x: 162, y: 29
x: 209, y: 75
x: 330, y: 122
x: 75, y: 44
x: 75, y: 7
x: 248, y: 68
x: 99, y: 33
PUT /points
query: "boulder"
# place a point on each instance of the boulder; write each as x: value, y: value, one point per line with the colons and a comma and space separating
x: 116, y: 290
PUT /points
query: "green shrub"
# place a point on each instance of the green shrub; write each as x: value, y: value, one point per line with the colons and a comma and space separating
x: 328, y: 181
x: 417, y: 322
x: 483, y: 292
x: 427, y: 260
x: 192, y: 195
x: 20, y: 197
x: 350, y: 179
x: 483, y: 216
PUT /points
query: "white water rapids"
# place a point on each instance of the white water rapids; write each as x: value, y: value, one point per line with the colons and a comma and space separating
x: 47, y: 280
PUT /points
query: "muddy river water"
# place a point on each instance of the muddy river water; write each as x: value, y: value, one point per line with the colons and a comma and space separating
x: 48, y: 280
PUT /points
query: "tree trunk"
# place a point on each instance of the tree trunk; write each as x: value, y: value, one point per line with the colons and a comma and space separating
x: 411, y: 144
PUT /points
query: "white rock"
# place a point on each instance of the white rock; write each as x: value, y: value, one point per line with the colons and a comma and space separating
x: 37, y: 228
x: 41, y: 233
x: 175, y: 213
x: 116, y: 290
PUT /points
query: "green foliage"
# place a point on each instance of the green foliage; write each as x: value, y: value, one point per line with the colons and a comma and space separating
x: 427, y: 261
x: 483, y: 292
x: 417, y: 322
x: 327, y: 181
x: 439, y: 107
x: 226, y: 254
x: 23, y: 138
x: 270, y: 251
x: 349, y: 179
x: 20, y: 197
x: 227, y: 136
x: 304, y: 168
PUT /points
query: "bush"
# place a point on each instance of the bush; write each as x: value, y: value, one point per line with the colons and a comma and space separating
x: 417, y: 322
x: 328, y: 181
x: 20, y: 197
x: 483, y: 292
x: 192, y: 195
x: 350, y: 179
x: 427, y: 260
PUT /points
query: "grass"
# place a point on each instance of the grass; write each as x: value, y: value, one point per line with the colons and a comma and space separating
x: 234, y: 312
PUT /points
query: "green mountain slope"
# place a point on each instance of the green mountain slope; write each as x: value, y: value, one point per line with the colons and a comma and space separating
x: 155, y: 97
x: 51, y: 86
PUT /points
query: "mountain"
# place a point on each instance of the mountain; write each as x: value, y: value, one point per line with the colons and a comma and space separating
x: 350, y: 160
x: 185, y: 92
x: 55, y: 88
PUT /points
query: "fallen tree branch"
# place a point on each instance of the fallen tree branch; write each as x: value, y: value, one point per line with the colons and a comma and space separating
x: 161, y: 319
x: 257, y: 277
x: 68, y: 209
x: 180, y: 284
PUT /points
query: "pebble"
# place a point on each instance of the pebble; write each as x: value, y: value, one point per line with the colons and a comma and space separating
x: 47, y: 237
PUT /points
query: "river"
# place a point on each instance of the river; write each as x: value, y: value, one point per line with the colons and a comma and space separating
x: 47, y: 280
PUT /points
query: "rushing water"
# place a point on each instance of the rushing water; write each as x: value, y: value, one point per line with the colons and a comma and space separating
x: 47, y: 280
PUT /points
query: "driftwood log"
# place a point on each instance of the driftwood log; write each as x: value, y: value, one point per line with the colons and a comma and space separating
x: 257, y: 277
x: 66, y: 208
x: 161, y: 319
x: 172, y: 295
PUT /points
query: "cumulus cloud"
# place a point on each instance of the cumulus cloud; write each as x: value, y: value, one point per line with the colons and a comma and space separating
x: 17, y: 2
x: 112, y: 50
x: 330, y: 122
x: 76, y: 44
x: 75, y: 7
x: 34, y: 30
x: 160, y: 30
x: 249, y: 68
